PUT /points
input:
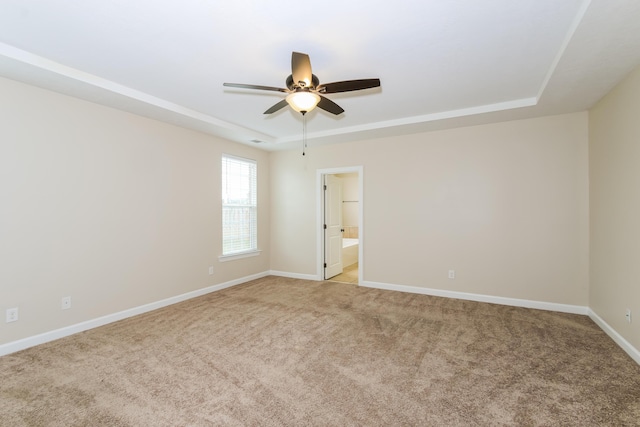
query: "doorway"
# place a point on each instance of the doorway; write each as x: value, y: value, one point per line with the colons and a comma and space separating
x: 340, y: 226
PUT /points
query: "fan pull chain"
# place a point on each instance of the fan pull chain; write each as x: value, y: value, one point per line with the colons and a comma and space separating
x: 304, y: 132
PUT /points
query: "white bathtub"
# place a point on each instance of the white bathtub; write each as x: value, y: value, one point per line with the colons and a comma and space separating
x: 349, y: 251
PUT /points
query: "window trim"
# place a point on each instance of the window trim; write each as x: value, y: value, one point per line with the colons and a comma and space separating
x: 239, y: 255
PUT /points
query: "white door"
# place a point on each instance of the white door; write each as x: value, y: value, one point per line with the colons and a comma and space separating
x: 332, y: 226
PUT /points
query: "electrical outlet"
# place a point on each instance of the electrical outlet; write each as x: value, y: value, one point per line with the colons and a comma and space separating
x: 628, y: 315
x: 452, y: 274
x: 65, y: 303
x: 211, y: 270
x: 12, y: 314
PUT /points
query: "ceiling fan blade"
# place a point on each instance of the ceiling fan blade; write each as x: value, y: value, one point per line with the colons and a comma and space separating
x: 301, y: 69
x: 280, y: 105
x: 243, y: 86
x: 349, y: 85
x: 328, y: 105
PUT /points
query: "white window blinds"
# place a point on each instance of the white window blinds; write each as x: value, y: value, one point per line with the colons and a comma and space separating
x: 239, y: 205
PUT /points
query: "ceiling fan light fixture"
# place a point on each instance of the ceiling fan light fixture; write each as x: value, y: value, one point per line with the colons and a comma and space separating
x: 304, y: 88
x: 303, y: 101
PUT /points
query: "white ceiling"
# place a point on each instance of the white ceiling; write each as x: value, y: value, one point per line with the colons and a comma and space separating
x: 442, y: 63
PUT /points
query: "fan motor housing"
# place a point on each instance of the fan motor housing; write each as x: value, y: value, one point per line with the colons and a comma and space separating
x: 293, y: 85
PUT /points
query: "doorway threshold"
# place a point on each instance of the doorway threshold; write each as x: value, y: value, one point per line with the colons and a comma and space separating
x: 349, y: 275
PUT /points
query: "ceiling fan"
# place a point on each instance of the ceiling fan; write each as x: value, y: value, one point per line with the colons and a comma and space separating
x: 305, y: 91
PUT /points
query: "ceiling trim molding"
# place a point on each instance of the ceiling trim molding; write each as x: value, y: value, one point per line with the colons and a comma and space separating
x: 572, y: 30
x: 41, y: 63
x: 74, y: 74
x: 462, y: 112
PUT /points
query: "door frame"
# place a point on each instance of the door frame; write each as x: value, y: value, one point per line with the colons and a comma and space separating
x: 320, y: 173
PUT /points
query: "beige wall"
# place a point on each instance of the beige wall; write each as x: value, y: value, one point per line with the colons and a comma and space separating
x: 614, y: 148
x: 110, y: 208
x: 505, y: 205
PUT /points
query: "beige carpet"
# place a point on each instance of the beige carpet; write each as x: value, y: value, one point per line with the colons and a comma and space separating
x: 288, y: 352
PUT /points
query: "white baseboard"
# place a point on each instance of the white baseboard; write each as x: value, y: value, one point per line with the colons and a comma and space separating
x: 563, y: 308
x: 25, y: 343
x: 295, y: 275
x: 540, y: 305
x: 616, y: 337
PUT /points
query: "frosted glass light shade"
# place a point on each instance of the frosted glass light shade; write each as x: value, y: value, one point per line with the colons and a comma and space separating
x: 303, y: 101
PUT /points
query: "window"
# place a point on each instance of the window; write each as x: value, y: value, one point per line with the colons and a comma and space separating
x: 239, y: 206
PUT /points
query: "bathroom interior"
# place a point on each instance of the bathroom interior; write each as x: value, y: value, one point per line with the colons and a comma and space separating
x: 351, y: 227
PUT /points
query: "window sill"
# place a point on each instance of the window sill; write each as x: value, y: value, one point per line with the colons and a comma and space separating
x: 239, y: 255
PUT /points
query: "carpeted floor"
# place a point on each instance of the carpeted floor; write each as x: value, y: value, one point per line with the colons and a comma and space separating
x: 278, y: 351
